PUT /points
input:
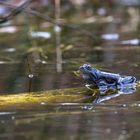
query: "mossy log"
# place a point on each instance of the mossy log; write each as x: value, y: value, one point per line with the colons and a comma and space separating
x: 23, y: 100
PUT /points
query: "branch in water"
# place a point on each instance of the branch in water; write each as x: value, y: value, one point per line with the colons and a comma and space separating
x: 22, y: 8
x: 15, y: 11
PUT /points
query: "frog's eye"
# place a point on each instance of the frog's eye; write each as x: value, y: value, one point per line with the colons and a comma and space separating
x: 88, y: 67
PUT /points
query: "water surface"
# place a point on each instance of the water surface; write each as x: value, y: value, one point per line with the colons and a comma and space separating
x: 106, y: 35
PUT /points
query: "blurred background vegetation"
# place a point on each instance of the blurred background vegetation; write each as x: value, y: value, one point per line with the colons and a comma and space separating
x: 43, y: 42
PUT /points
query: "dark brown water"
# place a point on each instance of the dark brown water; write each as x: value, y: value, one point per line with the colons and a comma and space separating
x: 106, y: 35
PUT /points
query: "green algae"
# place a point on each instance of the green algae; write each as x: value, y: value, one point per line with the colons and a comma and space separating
x: 72, y: 95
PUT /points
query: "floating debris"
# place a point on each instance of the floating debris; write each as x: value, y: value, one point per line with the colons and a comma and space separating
x: 30, y: 75
x: 57, y: 29
x: 135, y: 41
x: 69, y: 104
x: 9, y: 62
x: 10, y: 29
x: 9, y: 50
x: 110, y: 36
x: 7, y: 113
x: 101, y: 11
x: 43, y: 62
x: 43, y: 103
x: 45, y: 35
x: 106, y: 19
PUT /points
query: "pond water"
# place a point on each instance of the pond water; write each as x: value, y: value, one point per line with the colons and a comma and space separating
x: 106, y: 36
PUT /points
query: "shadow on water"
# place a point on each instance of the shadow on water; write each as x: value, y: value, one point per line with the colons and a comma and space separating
x: 40, y: 95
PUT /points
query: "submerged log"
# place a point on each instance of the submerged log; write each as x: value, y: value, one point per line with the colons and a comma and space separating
x: 24, y: 100
x: 35, y: 100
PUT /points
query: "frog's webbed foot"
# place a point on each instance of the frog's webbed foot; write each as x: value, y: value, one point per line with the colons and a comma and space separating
x: 126, y: 81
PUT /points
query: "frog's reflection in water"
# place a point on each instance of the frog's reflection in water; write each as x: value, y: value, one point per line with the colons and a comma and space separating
x: 107, y: 94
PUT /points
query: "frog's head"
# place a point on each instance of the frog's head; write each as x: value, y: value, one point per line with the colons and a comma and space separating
x: 85, y: 69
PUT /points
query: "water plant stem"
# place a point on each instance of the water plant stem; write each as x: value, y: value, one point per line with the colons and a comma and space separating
x: 58, y: 37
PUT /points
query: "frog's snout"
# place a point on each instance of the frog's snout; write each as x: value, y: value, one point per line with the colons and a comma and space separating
x: 81, y: 68
x: 85, y: 68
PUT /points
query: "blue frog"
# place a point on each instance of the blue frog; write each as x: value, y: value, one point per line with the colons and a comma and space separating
x: 104, y: 80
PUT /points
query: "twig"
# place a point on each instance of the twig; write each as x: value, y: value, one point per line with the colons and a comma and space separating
x: 37, y: 14
x: 15, y: 11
